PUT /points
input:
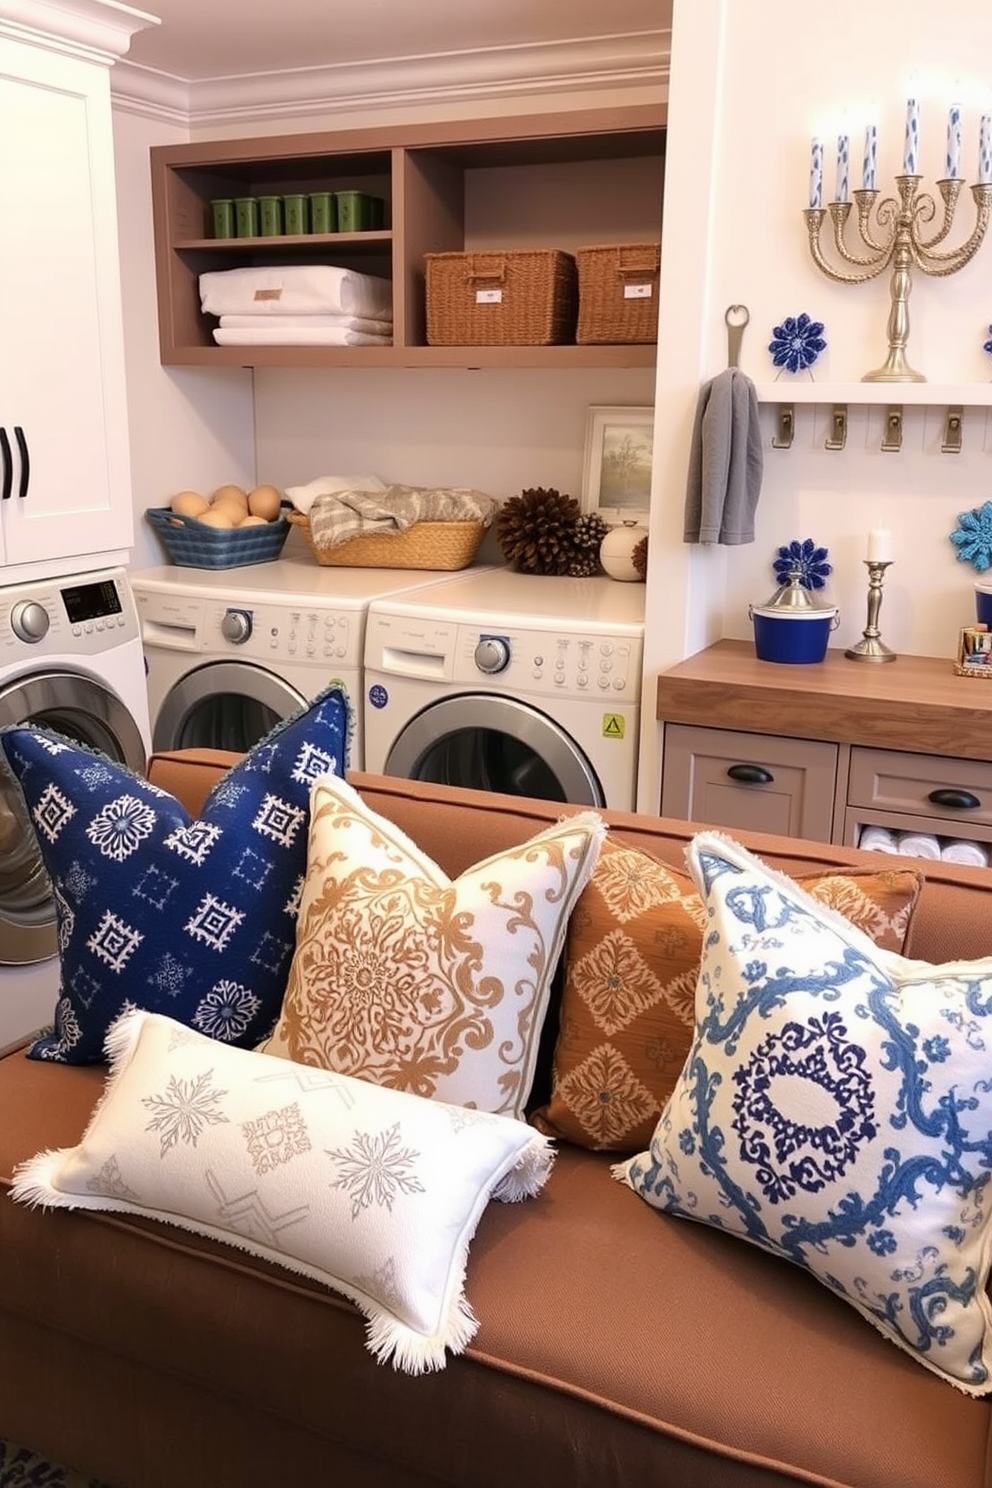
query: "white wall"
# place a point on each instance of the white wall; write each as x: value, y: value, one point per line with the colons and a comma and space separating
x: 751, y: 82
x: 189, y: 427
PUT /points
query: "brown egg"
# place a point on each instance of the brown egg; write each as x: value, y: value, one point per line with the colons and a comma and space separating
x: 217, y: 518
x: 188, y: 504
x: 238, y: 493
x: 252, y: 521
x: 264, y: 502
x: 230, y: 509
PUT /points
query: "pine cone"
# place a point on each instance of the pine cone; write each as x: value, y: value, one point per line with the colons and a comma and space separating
x: 639, y: 558
x: 584, y: 566
x: 590, y: 529
x: 536, y: 530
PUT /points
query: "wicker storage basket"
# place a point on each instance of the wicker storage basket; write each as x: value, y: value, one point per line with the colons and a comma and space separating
x: 190, y: 544
x: 440, y: 545
x: 525, y: 297
x: 618, y: 294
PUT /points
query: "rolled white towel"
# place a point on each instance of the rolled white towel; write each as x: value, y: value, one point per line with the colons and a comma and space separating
x: 878, y: 839
x: 303, y: 497
x: 960, y: 850
x: 918, y: 845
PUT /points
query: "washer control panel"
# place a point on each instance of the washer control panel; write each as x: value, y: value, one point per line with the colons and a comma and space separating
x: 68, y: 617
x: 267, y: 632
x: 536, y: 662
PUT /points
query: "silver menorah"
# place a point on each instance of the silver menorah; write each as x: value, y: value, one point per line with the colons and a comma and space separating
x: 893, y: 233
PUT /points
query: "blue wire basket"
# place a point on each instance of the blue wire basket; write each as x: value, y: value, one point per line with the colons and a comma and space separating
x: 191, y: 544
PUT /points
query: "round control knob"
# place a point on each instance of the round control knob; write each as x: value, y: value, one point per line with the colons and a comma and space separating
x: 29, y: 621
x: 492, y: 654
x: 236, y: 626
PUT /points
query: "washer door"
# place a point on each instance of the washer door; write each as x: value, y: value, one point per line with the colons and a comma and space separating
x: 223, y: 705
x: 494, y: 743
x: 90, y: 713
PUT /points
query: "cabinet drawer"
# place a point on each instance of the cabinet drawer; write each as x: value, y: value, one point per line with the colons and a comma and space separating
x: 749, y: 782
x: 955, y: 791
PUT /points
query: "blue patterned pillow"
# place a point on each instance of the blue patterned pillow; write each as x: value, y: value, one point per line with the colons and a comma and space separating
x: 836, y: 1109
x: 194, y: 919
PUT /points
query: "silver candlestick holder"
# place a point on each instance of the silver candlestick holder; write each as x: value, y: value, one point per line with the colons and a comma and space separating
x: 871, y: 647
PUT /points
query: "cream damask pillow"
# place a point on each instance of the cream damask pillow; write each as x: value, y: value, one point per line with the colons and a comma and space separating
x: 410, y: 980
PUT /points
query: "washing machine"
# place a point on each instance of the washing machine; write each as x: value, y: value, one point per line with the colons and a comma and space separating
x: 231, y: 652
x: 509, y: 682
x: 70, y: 659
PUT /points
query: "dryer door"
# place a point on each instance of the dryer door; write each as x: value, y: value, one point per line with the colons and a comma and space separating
x: 90, y: 713
x: 488, y: 742
x: 223, y: 705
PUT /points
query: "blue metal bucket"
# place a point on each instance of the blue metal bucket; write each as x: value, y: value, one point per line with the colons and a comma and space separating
x: 794, y: 638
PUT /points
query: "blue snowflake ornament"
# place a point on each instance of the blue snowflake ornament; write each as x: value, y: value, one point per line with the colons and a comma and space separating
x: 973, y: 537
x: 814, y: 570
x: 797, y: 342
x: 988, y: 344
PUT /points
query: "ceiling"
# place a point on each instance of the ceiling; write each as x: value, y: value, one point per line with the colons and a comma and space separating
x: 208, y: 39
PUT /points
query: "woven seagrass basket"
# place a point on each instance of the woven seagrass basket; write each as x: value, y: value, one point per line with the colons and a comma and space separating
x: 441, y: 545
x: 618, y: 294
x: 521, y: 297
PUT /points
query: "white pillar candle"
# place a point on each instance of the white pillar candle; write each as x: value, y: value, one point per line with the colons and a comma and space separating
x: 870, y: 157
x: 952, y: 164
x: 911, y: 146
x: 816, y: 174
x: 985, y: 150
x: 879, y: 545
x: 842, y: 157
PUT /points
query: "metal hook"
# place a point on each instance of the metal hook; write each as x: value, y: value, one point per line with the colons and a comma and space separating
x: 952, y: 430
x: 736, y: 317
x: 786, y: 427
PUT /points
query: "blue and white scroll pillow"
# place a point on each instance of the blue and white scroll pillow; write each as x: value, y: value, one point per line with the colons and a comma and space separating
x: 835, y: 1109
x: 195, y: 919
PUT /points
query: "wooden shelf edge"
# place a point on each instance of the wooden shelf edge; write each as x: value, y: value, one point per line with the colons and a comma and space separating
x: 559, y: 358
x: 917, y: 394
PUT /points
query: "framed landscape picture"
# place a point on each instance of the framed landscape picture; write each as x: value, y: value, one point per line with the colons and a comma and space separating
x: 616, y: 474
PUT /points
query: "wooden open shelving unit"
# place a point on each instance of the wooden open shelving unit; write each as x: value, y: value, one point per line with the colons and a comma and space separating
x: 547, y: 180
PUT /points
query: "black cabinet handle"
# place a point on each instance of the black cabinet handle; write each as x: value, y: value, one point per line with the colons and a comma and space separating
x: 954, y: 800
x: 8, y: 465
x: 22, y: 449
x: 752, y: 775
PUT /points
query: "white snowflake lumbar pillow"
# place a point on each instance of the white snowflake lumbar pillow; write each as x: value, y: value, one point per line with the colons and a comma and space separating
x: 374, y: 1192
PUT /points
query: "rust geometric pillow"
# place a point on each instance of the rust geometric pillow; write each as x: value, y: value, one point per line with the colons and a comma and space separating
x: 632, y: 957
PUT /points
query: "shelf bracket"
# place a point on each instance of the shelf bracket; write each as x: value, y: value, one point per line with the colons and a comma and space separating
x: 892, y: 438
x: 837, y: 438
x: 952, y: 431
x: 786, y: 427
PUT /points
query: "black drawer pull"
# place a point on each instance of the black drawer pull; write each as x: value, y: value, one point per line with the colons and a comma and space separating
x: 954, y: 800
x: 753, y: 775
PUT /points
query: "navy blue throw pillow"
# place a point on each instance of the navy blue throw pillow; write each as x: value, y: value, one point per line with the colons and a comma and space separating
x: 195, y: 919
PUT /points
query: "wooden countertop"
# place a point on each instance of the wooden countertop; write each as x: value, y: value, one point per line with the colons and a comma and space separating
x: 916, y: 703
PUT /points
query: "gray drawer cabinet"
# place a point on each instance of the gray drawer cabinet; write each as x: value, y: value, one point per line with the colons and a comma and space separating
x: 918, y: 792
x: 749, y: 782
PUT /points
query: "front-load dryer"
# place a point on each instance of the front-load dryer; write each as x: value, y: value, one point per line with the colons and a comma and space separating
x: 231, y: 652
x: 70, y: 660
x: 509, y: 682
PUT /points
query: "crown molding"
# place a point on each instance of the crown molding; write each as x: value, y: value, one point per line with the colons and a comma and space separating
x: 94, y: 29
x: 595, y: 63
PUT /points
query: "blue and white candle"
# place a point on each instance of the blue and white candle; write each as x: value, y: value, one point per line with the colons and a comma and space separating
x: 911, y: 147
x: 870, y: 160
x: 952, y: 163
x: 816, y: 174
x: 985, y: 150
x: 842, y: 158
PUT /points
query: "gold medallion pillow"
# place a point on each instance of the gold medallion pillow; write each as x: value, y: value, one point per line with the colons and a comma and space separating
x: 407, y: 979
x: 632, y: 960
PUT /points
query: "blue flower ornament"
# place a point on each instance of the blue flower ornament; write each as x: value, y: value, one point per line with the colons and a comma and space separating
x: 814, y: 570
x: 973, y: 537
x: 797, y: 342
x: 988, y: 344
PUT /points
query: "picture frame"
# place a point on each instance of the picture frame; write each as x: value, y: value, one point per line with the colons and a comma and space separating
x: 616, y: 471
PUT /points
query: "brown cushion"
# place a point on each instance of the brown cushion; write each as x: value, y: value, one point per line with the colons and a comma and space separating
x: 632, y: 956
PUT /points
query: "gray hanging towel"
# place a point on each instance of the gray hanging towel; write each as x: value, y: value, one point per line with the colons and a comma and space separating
x: 725, y: 462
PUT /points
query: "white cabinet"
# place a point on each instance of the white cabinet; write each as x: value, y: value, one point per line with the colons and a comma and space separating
x: 64, y: 466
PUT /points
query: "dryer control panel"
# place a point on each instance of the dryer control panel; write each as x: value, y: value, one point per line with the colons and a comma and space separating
x: 541, y: 662
x: 271, y: 631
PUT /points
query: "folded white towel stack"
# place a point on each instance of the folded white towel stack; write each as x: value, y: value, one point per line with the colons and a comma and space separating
x: 296, y: 289
x: 878, y: 839
x: 918, y: 845
x: 275, y: 333
x: 960, y: 850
